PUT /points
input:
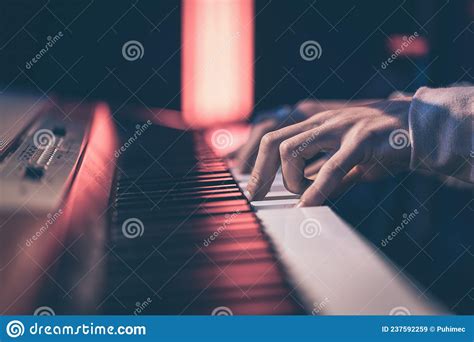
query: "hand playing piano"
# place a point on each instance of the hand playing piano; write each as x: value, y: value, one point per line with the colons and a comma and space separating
x: 244, y: 157
x: 363, y: 143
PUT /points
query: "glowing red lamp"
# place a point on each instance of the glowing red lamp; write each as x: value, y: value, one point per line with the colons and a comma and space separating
x: 217, y: 61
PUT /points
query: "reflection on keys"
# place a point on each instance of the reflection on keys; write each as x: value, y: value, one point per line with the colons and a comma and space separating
x: 201, y: 245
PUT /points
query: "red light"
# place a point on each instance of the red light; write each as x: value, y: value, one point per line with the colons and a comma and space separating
x: 217, y: 61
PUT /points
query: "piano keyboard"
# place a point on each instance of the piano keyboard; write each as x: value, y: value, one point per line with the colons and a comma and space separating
x: 277, y: 197
x: 334, y: 270
x: 184, y: 239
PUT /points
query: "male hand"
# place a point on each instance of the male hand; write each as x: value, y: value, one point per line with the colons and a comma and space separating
x: 364, y: 143
x: 244, y: 157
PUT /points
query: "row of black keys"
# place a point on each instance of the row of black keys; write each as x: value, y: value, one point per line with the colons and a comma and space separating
x: 197, y: 245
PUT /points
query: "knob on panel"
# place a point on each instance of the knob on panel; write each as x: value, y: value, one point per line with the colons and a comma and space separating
x: 34, y: 172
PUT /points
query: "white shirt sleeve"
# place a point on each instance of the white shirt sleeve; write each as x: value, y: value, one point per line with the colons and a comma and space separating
x: 441, y: 131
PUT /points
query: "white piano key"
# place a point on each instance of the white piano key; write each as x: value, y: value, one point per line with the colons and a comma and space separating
x: 274, y: 204
x: 335, y: 270
x: 281, y: 194
x: 278, y: 187
x: 277, y: 190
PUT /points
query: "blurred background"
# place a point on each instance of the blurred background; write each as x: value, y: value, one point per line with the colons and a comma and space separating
x: 356, y: 37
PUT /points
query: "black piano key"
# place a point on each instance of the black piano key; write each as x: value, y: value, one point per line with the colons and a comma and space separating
x: 201, y: 243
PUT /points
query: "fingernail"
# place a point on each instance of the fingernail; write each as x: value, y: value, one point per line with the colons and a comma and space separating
x: 248, y: 195
x: 300, y: 204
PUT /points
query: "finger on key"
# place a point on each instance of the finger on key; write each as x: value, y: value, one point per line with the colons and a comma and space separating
x: 294, y: 153
x: 268, y: 160
x: 248, y: 152
x: 331, y: 174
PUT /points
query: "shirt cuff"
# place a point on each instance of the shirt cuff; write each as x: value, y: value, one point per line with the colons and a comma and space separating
x: 441, y: 131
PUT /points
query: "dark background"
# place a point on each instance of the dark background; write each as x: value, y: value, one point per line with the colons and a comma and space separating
x: 87, y: 64
x: 353, y: 35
